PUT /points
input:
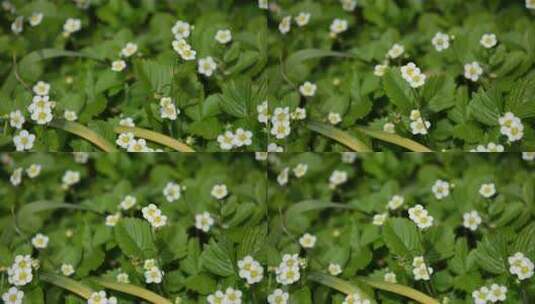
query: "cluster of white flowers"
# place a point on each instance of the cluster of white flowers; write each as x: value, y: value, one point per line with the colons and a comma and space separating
x: 71, y: 25
x: 154, y: 215
x: 100, y: 297
x: 128, y: 141
x: 349, y: 5
x: 288, y: 271
x: 263, y: 115
x: 495, y: 293
x: 32, y: 171
x: 521, y: 266
x: 337, y: 178
x: 471, y: 220
x: 278, y: 296
x: 70, y: 178
x: 491, y: 147
x: 441, y: 189
x: 127, y: 51
x: 418, y: 124
x: 395, y: 51
x: 413, y: 75
x: 307, y: 241
x: 395, y: 202
x: 182, y: 31
x: 153, y: 274
x: 441, y: 41
x: 20, y: 272
x: 420, y: 270
x: 230, y: 140
x: 419, y: 215
x: 172, y: 191
x: 204, y: 221
x: 250, y: 270
x: 282, y: 178
x: 511, y: 126
x: 473, y: 71
x: 300, y: 170
x: 356, y: 298
x: 40, y: 241
x: 487, y: 190
x: 230, y: 296
x: 13, y: 296
x: 219, y: 191
x: 280, y: 121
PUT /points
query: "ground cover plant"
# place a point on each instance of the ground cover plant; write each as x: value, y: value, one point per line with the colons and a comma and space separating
x: 132, y: 75
x: 368, y: 75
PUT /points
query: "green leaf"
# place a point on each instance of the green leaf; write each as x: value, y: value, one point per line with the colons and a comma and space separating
x: 252, y: 241
x: 307, y: 54
x: 201, y: 283
x: 240, y: 97
x: 402, y: 238
x: 134, y: 237
x: 217, y: 258
x: 398, y: 91
x: 491, y: 253
x: 486, y: 107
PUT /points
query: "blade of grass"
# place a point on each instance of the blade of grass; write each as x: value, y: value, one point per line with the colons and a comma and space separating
x: 133, y: 290
x: 307, y: 54
x: 84, y: 132
x: 310, y: 205
x: 66, y: 283
x: 39, y: 206
x: 340, y: 136
x: 395, y: 139
x: 156, y: 137
x: 347, y: 287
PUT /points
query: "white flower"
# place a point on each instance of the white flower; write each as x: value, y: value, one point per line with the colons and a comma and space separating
x: 118, y: 65
x: 263, y: 4
x: 481, y: 296
x: 487, y: 190
x: 149, y: 263
x: 390, y: 277
x: 273, y: 147
x: 396, y: 51
x: 158, y: 220
x: 67, y: 269
x: 113, y: 219
x: 420, y: 127
x: 172, y: 191
x: 223, y: 36
x: 299, y: 113
x: 123, y: 277
x: 20, y: 276
x: 98, y: 298
x: 417, y: 80
x: 334, y: 118
x: 81, y: 157
x: 242, y: 138
x: 300, y: 170
x: 128, y: 202
x: 307, y: 240
x: 180, y: 45
x: 337, y: 178
x: 219, y: 191
x: 488, y: 40
x: 187, y: 54
x: 42, y: 116
x: 153, y: 275
x: 129, y: 49
x: 18, y: 25
x: 72, y: 25
x: 23, y: 141
x: 150, y: 211
x: 338, y: 26
x: 125, y: 139
x: 16, y: 119
x: 302, y: 19
x: 281, y: 115
x: 441, y: 189
x: 441, y: 41
x: 308, y: 89
x: 334, y: 269
x: 471, y: 220
x: 41, y: 88
x: 261, y: 156
x: 285, y: 25
x: 349, y: 5
x: 520, y: 266
x: 349, y: 157
x: 168, y: 109
x: 262, y: 110
x: 139, y: 145
x: 250, y: 270
x: 530, y: 4
x: 389, y: 128
x: 511, y: 126
x: 379, y: 219
x: 529, y: 156
x: 207, y: 66
x: 287, y: 275
x: 70, y: 115
x: 282, y: 178
x: 355, y: 298
x: 33, y: 170
x: 226, y: 140
x: 13, y: 296
x: 70, y: 177
x: 232, y: 296
x: 473, y: 71
x: 40, y: 241
x: 380, y: 69
x: 16, y: 177
x: 497, y: 293
x: 204, y: 221
x: 181, y: 30
x: 419, y: 215
x: 278, y: 296
x: 395, y: 202
x: 281, y: 129
x: 216, y: 298
x: 420, y: 270
x: 127, y: 122
x: 36, y: 18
